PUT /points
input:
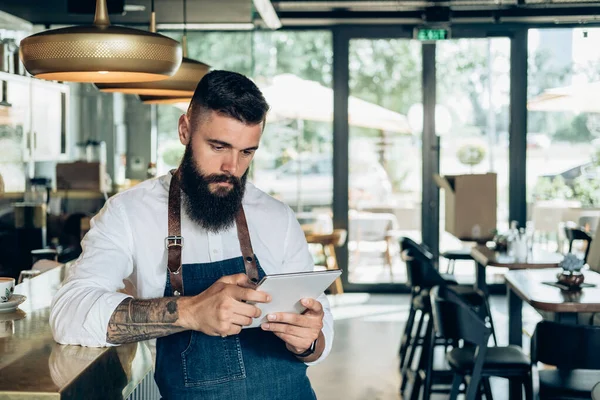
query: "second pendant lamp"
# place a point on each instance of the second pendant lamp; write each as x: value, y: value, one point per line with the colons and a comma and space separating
x: 172, y: 90
x: 164, y: 99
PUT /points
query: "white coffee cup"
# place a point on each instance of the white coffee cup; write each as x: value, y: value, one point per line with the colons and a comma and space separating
x: 7, y: 286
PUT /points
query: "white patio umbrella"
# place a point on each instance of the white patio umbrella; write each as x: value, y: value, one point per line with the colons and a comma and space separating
x: 576, y: 98
x: 291, y: 97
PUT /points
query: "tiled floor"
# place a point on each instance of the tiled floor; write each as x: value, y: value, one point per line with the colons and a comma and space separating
x: 363, y: 364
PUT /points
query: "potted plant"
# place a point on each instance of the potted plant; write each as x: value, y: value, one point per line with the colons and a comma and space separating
x: 471, y: 154
x: 571, y: 275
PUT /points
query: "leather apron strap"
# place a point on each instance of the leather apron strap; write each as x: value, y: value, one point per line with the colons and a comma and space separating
x: 246, y: 245
x: 174, y: 242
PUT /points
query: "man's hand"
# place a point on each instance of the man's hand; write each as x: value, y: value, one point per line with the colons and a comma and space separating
x: 299, y: 331
x: 221, y: 310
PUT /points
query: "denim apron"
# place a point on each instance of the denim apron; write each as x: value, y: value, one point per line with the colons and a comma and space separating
x: 254, y: 365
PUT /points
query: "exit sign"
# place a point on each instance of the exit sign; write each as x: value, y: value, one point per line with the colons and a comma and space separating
x: 432, y: 34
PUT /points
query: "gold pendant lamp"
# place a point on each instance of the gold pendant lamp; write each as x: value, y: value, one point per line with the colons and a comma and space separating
x: 100, y: 53
x: 181, y: 85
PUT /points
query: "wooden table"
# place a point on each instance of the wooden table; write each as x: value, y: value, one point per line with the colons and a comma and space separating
x: 539, y: 260
x: 528, y: 286
x: 484, y: 257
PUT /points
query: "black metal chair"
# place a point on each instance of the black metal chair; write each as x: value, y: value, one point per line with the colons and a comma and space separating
x: 419, y: 283
x: 422, y: 276
x: 574, y: 234
x: 455, y: 319
x: 427, y: 376
x: 573, y: 350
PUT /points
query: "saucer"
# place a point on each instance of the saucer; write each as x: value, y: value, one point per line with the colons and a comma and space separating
x: 12, y: 304
x: 12, y: 316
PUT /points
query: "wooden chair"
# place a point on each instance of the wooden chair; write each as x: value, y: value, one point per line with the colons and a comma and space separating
x: 328, y: 243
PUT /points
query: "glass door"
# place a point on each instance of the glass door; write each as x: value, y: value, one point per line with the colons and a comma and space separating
x: 384, y: 159
x: 472, y: 121
x: 403, y: 110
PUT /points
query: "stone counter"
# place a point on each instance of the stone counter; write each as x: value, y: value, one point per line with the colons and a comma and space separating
x: 34, y: 366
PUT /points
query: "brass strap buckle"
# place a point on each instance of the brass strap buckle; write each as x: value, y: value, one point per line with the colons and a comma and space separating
x: 171, y: 241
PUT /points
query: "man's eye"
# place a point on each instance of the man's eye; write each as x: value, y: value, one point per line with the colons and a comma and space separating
x: 218, y: 148
x: 247, y: 153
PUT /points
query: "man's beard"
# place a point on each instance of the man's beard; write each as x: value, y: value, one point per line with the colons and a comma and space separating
x: 213, y: 211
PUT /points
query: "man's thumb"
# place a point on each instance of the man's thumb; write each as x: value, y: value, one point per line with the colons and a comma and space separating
x: 238, y: 279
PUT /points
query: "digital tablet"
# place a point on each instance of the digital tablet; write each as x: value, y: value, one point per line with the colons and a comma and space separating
x: 287, y: 290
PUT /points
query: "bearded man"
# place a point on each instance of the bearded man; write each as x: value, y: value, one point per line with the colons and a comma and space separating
x: 193, y: 243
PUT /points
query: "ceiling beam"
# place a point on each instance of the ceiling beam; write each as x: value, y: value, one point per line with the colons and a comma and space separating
x: 54, y: 12
x: 567, y: 13
x: 267, y: 13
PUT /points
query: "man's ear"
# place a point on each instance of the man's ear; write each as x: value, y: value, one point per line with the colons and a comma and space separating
x: 184, y: 128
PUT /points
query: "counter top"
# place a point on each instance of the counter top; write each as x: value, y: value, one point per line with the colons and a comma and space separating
x: 33, y: 365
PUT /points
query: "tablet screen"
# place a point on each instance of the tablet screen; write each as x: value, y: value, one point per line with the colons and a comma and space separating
x: 287, y: 290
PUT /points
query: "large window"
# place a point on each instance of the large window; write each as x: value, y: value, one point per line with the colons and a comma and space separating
x: 293, y: 69
x: 563, y: 132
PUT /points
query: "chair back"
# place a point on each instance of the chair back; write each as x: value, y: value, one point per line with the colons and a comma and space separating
x: 337, y: 238
x: 578, y: 234
x: 419, y: 265
x: 454, y: 319
x: 566, y: 346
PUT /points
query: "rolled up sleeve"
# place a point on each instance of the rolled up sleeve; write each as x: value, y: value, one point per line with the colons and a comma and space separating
x: 82, y: 307
x: 298, y: 258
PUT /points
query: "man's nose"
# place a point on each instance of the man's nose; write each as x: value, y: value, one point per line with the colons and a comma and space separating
x: 230, y: 164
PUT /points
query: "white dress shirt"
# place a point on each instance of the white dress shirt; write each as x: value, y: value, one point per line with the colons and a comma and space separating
x: 127, y: 242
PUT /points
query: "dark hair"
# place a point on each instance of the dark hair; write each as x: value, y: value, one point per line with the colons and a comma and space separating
x: 230, y: 94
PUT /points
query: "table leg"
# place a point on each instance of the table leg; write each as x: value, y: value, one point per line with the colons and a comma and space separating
x: 515, y: 334
x: 515, y: 318
x: 480, y: 282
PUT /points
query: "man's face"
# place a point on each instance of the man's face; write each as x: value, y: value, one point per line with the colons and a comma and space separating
x: 218, y: 153
x: 221, y: 146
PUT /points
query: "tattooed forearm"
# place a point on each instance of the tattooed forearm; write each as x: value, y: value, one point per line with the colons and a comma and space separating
x: 136, y: 320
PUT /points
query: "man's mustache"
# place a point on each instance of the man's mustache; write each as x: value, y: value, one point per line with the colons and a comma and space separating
x: 222, y: 178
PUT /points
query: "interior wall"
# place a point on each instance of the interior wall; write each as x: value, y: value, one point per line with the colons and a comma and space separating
x: 138, y: 124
